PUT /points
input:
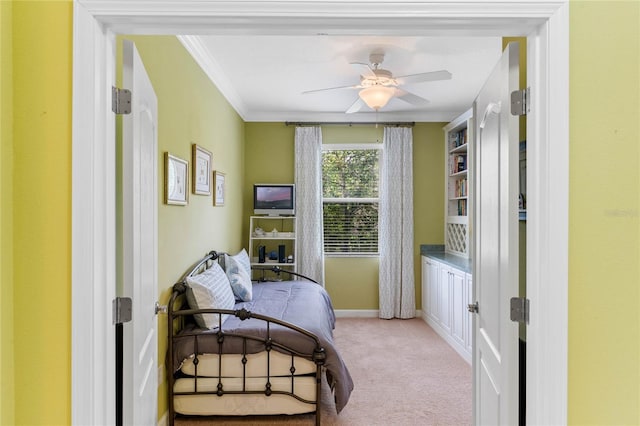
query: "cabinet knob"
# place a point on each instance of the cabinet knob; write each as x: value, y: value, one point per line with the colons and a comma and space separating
x: 473, y: 307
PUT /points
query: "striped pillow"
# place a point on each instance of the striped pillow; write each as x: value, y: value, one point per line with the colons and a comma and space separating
x: 210, y: 289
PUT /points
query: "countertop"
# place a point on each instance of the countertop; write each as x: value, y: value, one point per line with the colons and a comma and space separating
x: 437, y: 252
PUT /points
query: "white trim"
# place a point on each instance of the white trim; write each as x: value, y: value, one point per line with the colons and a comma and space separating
x: 198, y: 50
x: 365, y: 313
x: 93, y: 226
x: 547, y: 221
x: 294, y: 17
x: 352, y: 146
x: 163, y: 421
x: 356, y: 313
x: 93, y: 265
x: 448, y: 337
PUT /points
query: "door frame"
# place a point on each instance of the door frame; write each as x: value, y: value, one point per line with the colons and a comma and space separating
x: 95, y: 26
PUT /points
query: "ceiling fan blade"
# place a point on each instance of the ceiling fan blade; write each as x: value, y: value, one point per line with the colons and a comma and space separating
x: 425, y: 76
x: 364, y: 69
x: 411, y: 98
x: 355, y: 107
x: 331, y: 88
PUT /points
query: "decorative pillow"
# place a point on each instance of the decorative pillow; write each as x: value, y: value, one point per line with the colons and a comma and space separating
x: 239, y: 274
x: 209, y: 289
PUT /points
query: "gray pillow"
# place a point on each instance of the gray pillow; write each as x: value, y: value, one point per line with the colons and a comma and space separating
x: 239, y: 274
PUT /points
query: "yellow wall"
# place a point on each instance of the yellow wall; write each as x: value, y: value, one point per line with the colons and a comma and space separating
x: 42, y: 55
x: 6, y: 216
x: 269, y: 152
x: 191, y: 110
x: 270, y: 158
x: 604, y: 341
x: 428, y: 192
x: 604, y: 206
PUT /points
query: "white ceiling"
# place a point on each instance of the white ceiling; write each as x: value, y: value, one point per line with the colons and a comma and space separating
x: 263, y: 76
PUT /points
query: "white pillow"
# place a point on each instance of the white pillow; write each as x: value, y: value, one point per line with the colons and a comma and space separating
x: 239, y: 274
x: 210, y: 289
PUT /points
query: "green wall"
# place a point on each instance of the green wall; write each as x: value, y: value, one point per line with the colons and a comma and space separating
x: 604, y: 337
x: 604, y: 206
x: 270, y: 158
x: 191, y: 110
x: 6, y: 216
x: 269, y: 152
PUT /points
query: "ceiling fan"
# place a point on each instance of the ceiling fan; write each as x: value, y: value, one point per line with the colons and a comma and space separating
x: 377, y: 85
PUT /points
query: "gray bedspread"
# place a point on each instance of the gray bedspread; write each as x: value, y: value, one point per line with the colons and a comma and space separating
x: 302, y: 303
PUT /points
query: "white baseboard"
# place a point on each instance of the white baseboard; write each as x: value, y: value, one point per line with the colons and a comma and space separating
x: 356, y: 313
x: 446, y: 336
x: 163, y: 420
x: 363, y: 313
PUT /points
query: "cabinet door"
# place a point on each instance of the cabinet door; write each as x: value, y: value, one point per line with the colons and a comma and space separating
x: 424, y: 286
x: 433, y: 290
x: 444, y: 299
x: 458, y: 306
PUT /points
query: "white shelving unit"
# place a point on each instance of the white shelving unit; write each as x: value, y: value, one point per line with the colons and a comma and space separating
x: 278, y: 230
x: 458, y: 184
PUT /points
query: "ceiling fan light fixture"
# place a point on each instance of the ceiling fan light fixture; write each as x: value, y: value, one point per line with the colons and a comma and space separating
x: 376, y: 97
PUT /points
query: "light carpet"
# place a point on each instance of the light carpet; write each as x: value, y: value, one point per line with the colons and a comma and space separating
x: 404, y: 374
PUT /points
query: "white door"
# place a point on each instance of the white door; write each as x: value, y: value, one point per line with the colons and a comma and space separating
x: 468, y: 322
x: 140, y: 217
x: 496, y: 246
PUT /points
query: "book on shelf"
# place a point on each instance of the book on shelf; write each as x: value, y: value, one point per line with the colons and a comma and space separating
x: 457, y: 139
x: 462, y: 207
x: 458, y: 163
x: 461, y: 187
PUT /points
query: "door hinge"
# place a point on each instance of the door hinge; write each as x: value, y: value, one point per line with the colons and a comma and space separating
x: 121, y: 310
x: 520, y: 102
x: 520, y: 309
x: 120, y: 100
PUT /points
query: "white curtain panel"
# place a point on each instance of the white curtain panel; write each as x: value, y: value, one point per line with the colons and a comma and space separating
x: 308, y: 158
x: 395, y: 234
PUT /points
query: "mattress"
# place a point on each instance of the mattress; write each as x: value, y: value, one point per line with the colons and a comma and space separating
x: 208, y: 365
x: 245, y: 404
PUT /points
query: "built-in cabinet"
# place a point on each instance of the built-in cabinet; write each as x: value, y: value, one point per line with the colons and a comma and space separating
x: 457, y: 137
x: 274, y: 237
x: 446, y: 294
x: 447, y: 284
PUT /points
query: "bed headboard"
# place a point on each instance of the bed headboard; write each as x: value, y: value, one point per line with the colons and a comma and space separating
x: 199, y: 267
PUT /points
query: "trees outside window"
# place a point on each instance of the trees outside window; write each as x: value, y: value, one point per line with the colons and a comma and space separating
x: 350, y: 195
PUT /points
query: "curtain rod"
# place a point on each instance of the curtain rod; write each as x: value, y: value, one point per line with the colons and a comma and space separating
x: 349, y: 123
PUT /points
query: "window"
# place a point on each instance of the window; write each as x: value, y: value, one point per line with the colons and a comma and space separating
x: 350, y: 198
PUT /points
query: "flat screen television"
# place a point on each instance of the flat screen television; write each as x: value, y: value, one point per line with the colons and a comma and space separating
x: 274, y: 199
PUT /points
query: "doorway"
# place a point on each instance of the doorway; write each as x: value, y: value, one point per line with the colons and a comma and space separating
x: 95, y: 27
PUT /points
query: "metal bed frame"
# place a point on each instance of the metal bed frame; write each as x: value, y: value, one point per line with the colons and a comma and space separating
x: 181, y: 316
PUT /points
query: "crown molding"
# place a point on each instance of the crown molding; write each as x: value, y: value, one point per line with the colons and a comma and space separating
x: 213, y: 70
x: 362, y: 117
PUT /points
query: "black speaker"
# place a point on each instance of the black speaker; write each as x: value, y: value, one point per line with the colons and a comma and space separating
x: 281, y: 256
x: 261, y: 253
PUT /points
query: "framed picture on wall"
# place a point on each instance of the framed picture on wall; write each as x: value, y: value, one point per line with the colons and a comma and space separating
x: 176, y: 175
x: 218, y: 184
x: 201, y: 160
